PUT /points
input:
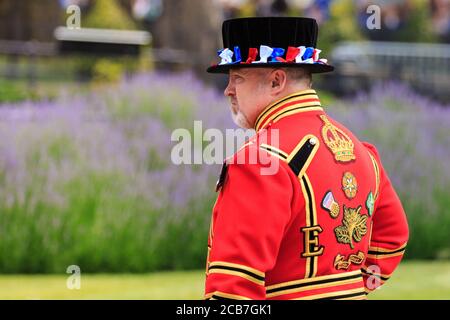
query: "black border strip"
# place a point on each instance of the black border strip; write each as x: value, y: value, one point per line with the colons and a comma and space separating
x: 298, y: 161
x: 298, y: 108
x: 380, y: 253
x: 274, y: 151
x: 310, y: 198
x: 253, y: 275
x: 376, y: 275
x: 311, y: 219
x: 310, y: 283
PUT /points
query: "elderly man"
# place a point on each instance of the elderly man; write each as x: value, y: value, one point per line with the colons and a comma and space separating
x: 327, y: 223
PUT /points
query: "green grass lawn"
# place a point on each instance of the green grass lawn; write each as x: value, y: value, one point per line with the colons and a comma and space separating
x: 412, y: 280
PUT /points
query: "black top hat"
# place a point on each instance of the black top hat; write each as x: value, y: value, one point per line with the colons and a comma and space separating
x: 270, y: 42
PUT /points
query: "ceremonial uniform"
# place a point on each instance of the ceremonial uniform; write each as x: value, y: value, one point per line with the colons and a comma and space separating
x: 326, y: 224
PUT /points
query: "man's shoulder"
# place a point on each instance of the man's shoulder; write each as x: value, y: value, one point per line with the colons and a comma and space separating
x: 288, y: 133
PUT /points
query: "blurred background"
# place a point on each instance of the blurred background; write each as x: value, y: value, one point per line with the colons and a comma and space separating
x: 91, y: 91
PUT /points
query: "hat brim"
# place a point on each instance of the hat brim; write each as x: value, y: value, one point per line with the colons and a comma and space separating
x: 311, y: 67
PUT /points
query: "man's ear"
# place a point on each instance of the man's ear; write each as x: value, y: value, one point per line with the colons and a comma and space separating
x: 278, y: 81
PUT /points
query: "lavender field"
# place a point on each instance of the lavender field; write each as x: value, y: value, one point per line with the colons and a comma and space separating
x: 88, y: 180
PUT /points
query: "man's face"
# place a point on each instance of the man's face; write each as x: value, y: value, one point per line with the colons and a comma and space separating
x: 248, y: 91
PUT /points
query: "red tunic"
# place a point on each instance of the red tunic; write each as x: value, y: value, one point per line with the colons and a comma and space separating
x: 327, y: 223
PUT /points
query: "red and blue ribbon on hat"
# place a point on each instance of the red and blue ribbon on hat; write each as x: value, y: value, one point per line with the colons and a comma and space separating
x: 301, y: 55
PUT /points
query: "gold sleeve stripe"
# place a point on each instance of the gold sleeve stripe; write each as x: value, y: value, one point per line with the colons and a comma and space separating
x: 216, y: 295
x: 207, y: 260
x: 311, y: 283
x: 308, y: 207
x: 353, y: 293
x: 377, y: 175
x: 381, y: 253
x: 274, y: 151
x: 245, y: 145
x: 312, y: 287
x: 239, y: 266
x: 233, y: 269
x: 365, y: 270
x: 311, y: 220
x: 383, y: 250
x: 237, y: 274
x: 328, y: 278
x: 383, y: 277
x: 310, y: 191
x: 385, y: 256
x: 211, y: 227
x: 370, y: 232
x: 207, y: 296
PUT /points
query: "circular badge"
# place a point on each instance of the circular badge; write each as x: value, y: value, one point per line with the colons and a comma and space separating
x: 349, y: 185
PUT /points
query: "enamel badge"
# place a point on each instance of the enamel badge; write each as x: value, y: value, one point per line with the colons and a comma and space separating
x: 329, y: 204
x: 370, y: 202
x: 349, y: 185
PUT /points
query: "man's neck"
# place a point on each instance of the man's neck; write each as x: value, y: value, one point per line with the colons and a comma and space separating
x: 291, y: 90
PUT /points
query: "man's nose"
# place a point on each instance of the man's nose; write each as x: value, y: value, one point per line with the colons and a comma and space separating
x: 228, y: 90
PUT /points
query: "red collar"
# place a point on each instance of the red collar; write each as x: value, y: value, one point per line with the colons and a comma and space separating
x: 302, y: 101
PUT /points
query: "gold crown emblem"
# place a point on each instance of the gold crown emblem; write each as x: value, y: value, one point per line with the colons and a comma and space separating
x: 337, y: 141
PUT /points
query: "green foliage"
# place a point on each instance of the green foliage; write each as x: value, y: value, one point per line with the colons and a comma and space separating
x: 107, y: 70
x: 417, y: 25
x: 342, y: 26
x: 429, y: 234
x: 13, y: 92
x: 183, y: 244
x: 108, y: 14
